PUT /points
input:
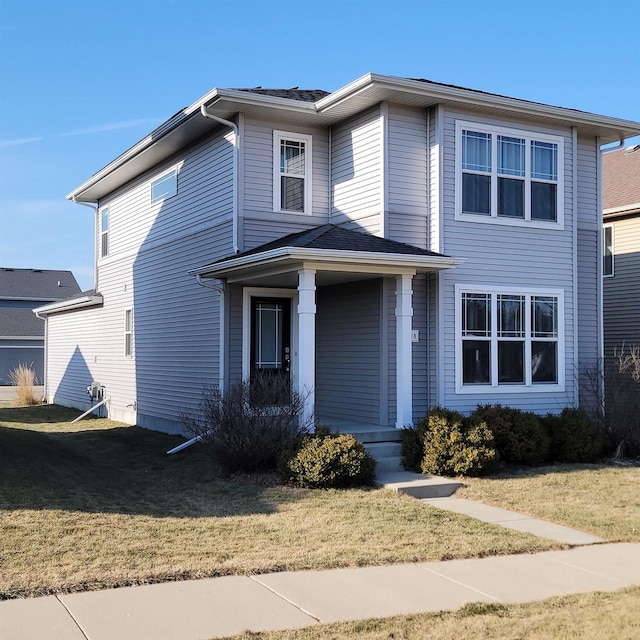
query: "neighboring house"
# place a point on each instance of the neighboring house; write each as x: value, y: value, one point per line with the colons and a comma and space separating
x: 621, y: 248
x: 390, y: 246
x: 21, y: 332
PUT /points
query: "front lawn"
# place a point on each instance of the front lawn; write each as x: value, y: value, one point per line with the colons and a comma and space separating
x: 596, y: 498
x: 591, y: 616
x: 99, y: 504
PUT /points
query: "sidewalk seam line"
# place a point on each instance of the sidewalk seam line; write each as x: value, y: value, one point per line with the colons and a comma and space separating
x: 279, y: 595
x: 72, y: 617
x: 593, y: 573
x: 462, y: 584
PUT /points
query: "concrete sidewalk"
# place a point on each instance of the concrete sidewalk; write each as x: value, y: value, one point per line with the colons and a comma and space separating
x: 217, y: 607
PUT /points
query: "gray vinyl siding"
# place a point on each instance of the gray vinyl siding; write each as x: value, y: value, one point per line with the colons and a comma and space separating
x: 257, y: 191
x: 588, y: 267
x: 357, y: 172
x: 498, y: 255
x: 622, y: 291
x: 420, y: 349
x: 348, y: 366
x: 432, y: 333
x: 175, y: 337
x: 235, y: 333
x: 407, y: 175
x: 204, y: 198
x: 16, y: 352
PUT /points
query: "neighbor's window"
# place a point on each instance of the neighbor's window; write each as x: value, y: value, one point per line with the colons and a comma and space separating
x: 165, y: 187
x: 508, y: 339
x: 128, y: 332
x: 292, y: 172
x: 508, y: 175
x: 607, y: 251
x: 104, y: 233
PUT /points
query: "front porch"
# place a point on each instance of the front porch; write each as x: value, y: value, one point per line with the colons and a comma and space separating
x: 332, y: 309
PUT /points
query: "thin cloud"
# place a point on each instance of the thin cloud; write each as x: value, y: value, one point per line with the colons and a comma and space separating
x: 101, y: 128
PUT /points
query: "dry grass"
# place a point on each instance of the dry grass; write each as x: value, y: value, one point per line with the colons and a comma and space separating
x: 593, y: 616
x: 98, y: 504
x: 23, y: 377
x: 600, y: 499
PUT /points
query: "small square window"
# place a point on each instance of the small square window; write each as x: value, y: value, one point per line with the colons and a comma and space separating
x: 476, y: 194
x: 476, y: 361
x: 510, y: 198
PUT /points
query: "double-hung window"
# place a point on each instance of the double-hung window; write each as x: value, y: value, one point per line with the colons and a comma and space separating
x: 292, y: 172
x: 128, y: 332
x: 104, y: 232
x: 508, y: 176
x: 508, y: 339
x: 607, y: 251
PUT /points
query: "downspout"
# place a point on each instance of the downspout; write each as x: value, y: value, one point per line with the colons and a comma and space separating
x: 236, y: 150
x: 95, y: 239
x: 574, y: 241
x: 220, y: 289
x: 44, y: 364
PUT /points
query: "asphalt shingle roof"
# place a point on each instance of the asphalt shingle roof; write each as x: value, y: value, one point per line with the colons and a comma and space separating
x: 19, y: 323
x: 330, y: 236
x: 45, y: 284
x: 621, y: 177
x: 305, y: 95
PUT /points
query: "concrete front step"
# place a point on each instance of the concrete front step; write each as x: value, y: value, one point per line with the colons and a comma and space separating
x: 381, y: 450
x: 389, y: 464
x: 416, y: 484
x: 371, y: 435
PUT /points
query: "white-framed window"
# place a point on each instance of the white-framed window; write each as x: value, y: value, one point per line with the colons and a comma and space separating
x: 608, y: 261
x: 509, y: 339
x: 128, y: 332
x: 104, y: 232
x: 165, y: 186
x: 291, y: 172
x: 509, y: 176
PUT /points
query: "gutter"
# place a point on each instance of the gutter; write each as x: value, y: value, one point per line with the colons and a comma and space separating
x: 236, y: 151
x: 329, y: 255
x: 67, y: 305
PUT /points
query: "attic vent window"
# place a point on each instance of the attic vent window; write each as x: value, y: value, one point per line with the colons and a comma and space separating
x: 165, y: 187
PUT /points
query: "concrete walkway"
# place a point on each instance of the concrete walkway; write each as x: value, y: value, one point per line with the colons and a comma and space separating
x: 217, y: 607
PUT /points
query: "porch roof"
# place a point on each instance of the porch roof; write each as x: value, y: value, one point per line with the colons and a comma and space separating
x: 338, y: 254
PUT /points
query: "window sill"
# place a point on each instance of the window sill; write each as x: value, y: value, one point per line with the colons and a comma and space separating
x: 508, y: 388
x: 510, y: 222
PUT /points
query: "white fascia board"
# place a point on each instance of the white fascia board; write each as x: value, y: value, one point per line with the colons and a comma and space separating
x: 66, y: 305
x: 622, y: 210
x: 332, y: 256
x: 209, y: 99
x: 448, y: 94
x: 21, y: 337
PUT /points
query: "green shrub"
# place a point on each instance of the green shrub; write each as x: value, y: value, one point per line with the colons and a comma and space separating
x: 456, y: 445
x: 520, y: 436
x: 327, y: 460
x: 574, y: 437
x: 412, y: 448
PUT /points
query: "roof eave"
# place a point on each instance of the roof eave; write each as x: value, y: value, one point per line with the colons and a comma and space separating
x: 69, y: 305
x: 333, y: 256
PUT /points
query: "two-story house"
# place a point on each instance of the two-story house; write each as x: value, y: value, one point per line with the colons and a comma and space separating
x: 22, y: 334
x: 390, y: 246
x: 621, y: 247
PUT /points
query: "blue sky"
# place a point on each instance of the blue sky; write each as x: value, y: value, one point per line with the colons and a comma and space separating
x: 81, y: 81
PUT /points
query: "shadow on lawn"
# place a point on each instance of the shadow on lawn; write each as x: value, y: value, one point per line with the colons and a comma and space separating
x: 125, y: 470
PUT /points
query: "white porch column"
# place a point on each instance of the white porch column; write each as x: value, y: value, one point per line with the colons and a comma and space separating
x: 307, y: 341
x: 404, y: 371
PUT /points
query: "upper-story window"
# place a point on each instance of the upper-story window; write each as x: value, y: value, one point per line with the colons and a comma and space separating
x: 508, y: 339
x: 104, y: 233
x: 508, y: 176
x: 292, y: 172
x: 607, y: 251
x: 165, y: 186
